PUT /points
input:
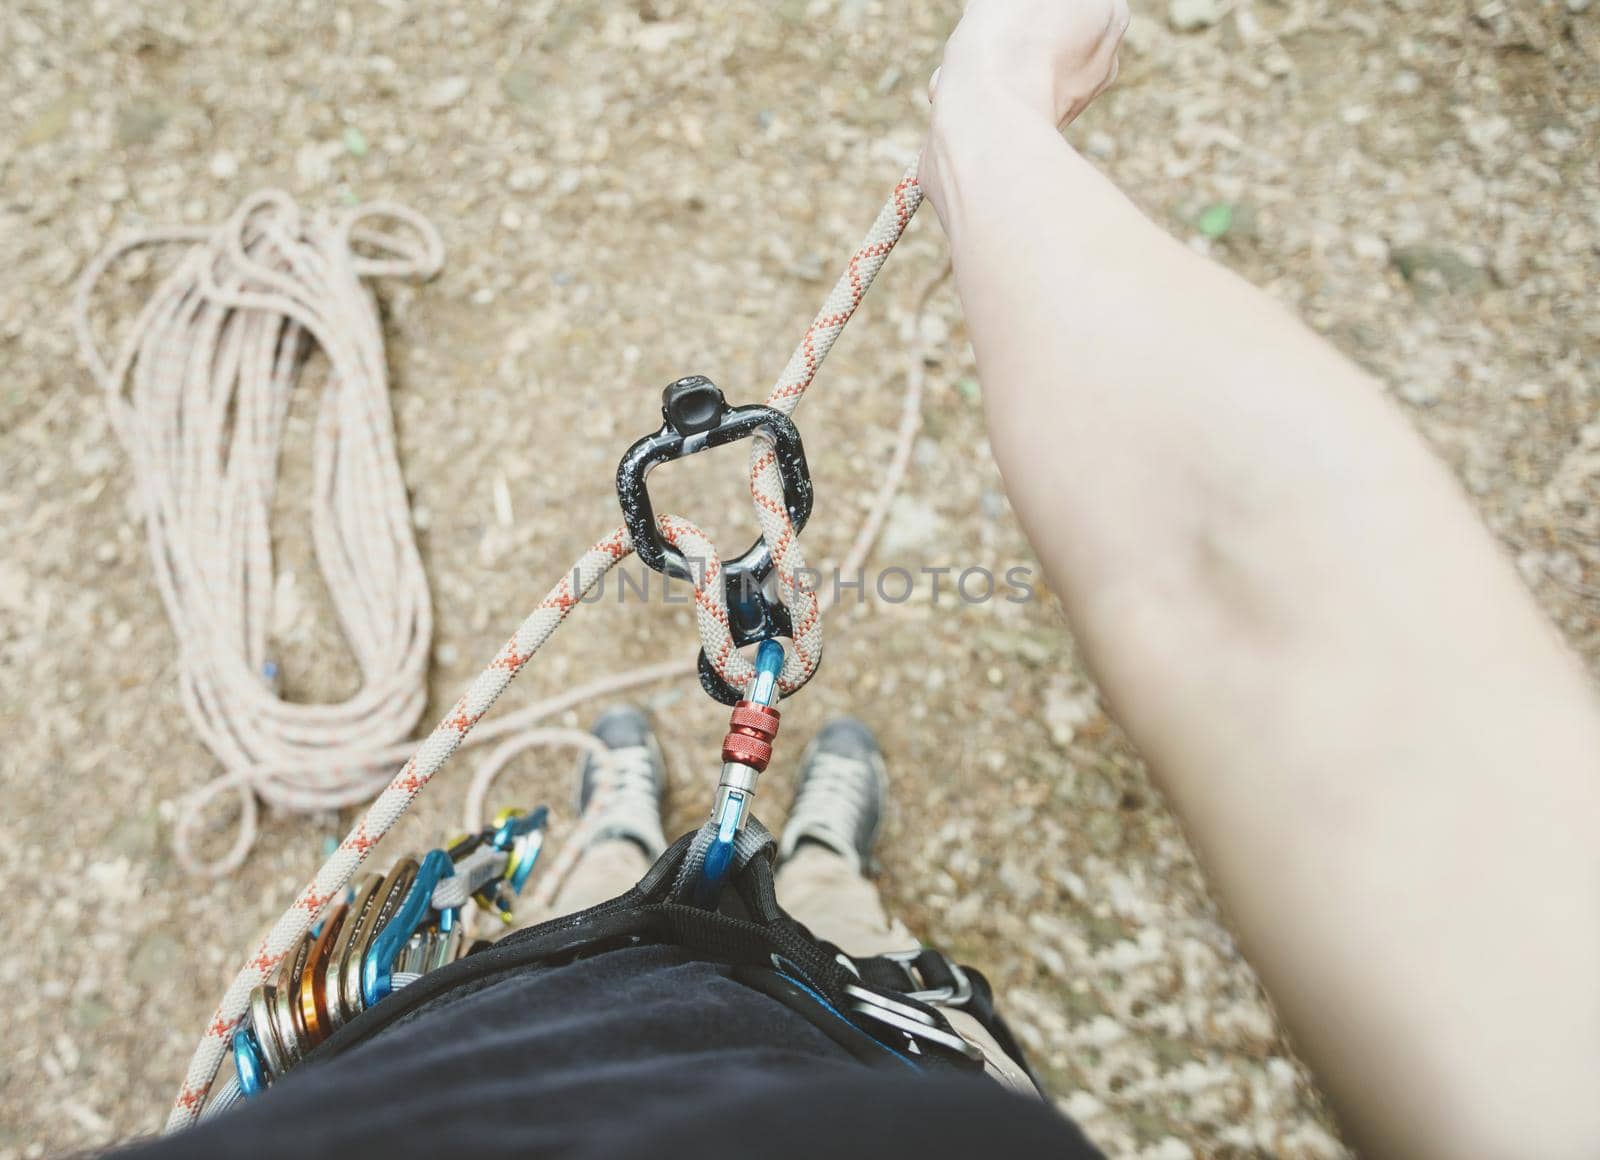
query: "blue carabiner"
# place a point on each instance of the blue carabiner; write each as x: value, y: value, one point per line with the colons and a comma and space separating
x: 521, y: 836
x: 377, y: 977
x: 247, y: 1063
x: 518, y: 824
x: 733, y: 806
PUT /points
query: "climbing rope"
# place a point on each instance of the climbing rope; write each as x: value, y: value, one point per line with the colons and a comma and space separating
x: 199, y: 390
x: 199, y: 393
x: 228, y: 325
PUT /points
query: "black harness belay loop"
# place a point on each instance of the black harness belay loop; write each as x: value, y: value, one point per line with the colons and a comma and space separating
x: 884, y: 1010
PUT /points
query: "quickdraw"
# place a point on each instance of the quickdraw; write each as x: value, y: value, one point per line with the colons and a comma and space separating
x: 781, y: 501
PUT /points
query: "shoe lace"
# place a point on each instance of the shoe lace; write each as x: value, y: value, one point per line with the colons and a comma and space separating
x: 624, y: 793
x: 835, y: 795
x: 622, y: 802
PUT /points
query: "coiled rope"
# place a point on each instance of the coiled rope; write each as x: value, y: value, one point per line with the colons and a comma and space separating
x: 199, y: 393
x: 199, y: 390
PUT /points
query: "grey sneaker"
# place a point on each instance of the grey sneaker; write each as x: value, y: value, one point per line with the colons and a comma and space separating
x: 839, y: 797
x: 620, y: 795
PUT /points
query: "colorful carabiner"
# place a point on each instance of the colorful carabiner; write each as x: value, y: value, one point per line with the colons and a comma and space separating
x: 377, y: 972
x: 522, y: 836
x: 247, y: 1063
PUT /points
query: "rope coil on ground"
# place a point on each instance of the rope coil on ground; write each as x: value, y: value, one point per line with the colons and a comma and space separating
x: 199, y: 393
x: 229, y: 326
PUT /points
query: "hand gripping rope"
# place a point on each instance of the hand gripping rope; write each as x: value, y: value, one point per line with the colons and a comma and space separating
x: 260, y: 268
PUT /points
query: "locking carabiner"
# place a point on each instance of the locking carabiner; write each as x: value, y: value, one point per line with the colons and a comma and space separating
x: 746, y: 750
x: 696, y: 417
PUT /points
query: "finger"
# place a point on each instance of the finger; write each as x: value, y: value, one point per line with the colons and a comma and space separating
x: 933, y: 83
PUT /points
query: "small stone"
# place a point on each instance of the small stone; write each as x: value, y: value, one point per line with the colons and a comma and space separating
x: 1369, y: 247
x: 1245, y: 27
x: 1082, y: 1106
x: 442, y: 94
x: 1101, y: 145
x: 1558, y: 137
x: 224, y: 167
x: 1104, y: 931
x: 14, y: 584
x: 1530, y: 565
x: 1577, y: 7
x: 139, y: 121
x: 1406, y: 83
x: 1032, y: 648
x: 1065, y: 712
x: 521, y: 85
x: 1428, y: 268
x: 1192, y: 15
x: 1565, y: 567
x: 1420, y: 392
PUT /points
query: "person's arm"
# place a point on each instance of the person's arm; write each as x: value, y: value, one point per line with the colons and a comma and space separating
x: 1388, y: 761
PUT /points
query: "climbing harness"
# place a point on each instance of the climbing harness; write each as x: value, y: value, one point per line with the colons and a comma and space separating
x: 223, y: 336
x: 888, y: 1011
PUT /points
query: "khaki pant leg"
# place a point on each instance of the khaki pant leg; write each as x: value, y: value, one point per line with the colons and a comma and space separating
x: 606, y: 870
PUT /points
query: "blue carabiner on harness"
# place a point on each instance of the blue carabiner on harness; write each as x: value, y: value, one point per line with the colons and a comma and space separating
x: 737, y: 786
x: 247, y: 1063
x: 377, y: 972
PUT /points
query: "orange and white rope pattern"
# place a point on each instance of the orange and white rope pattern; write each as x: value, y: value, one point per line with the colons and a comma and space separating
x: 335, y: 874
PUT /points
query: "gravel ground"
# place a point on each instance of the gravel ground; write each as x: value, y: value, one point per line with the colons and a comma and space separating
x: 631, y: 190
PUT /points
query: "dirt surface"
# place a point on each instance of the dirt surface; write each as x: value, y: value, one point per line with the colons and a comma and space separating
x: 631, y: 190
